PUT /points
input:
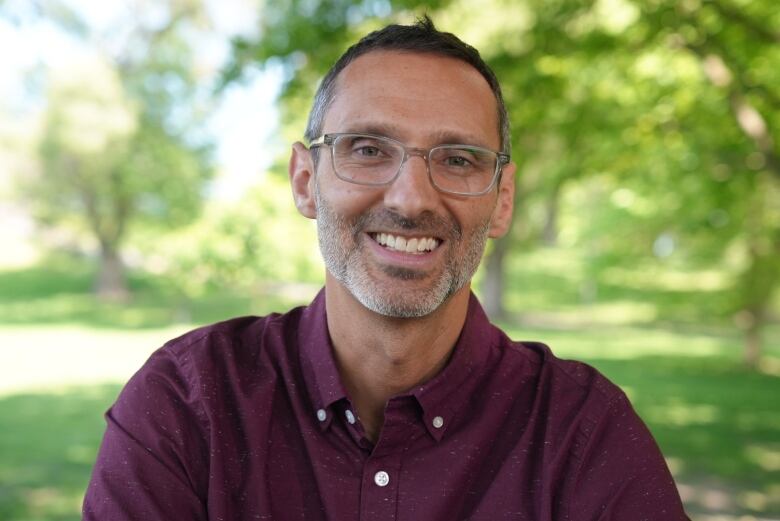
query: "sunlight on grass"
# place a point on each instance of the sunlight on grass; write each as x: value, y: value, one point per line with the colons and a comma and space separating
x: 754, y: 500
x: 676, y: 465
x: 770, y: 366
x: 45, y: 502
x: 679, y: 414
x: 765, y: 456
x: 613, y: 313
x: 49, y: 357
x: 667, y: 279
x: 624, y: 343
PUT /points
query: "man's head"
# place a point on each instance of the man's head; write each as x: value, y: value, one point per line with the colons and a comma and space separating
x: 405, y: 247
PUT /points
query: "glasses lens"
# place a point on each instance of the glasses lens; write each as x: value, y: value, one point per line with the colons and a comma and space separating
x: 366, y: 159
x: 463, y: 169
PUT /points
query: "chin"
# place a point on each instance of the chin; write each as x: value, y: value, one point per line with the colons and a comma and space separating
x: 401, y: 301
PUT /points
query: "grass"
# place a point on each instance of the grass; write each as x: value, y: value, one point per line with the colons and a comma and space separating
x: 717, y: 423
x: 48, y: 444
x: 60, y: 294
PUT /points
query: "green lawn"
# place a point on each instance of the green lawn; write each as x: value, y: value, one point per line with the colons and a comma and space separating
x: 717, y: 423
x: 47, y: 446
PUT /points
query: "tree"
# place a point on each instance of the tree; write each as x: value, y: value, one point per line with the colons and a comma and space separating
x: 117, y: 146
x: 85, y: 144
x: 677, y: 101
x: 736, y: 49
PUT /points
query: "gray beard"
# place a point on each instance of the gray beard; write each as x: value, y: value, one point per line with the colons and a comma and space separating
x: 346, y: 264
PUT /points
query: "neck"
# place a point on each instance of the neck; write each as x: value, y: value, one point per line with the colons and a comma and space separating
x: 380, y: 357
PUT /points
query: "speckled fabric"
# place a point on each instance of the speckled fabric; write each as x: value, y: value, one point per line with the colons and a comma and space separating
x: 248, y: 419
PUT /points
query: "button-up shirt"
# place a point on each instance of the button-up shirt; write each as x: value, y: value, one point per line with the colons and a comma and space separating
x: 249, y: 419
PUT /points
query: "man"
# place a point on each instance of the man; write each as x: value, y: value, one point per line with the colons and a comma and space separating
x: 391, y: 396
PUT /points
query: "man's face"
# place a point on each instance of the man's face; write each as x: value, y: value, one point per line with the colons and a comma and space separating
x: 422, y: 101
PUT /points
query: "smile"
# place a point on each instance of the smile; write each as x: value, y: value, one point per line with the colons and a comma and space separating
x: 416, y: 245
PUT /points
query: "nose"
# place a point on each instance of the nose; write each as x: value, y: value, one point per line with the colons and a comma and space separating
x: 411, y: 193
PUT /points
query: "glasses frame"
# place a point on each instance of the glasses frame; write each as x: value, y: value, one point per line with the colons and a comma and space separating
x: 502, y: 159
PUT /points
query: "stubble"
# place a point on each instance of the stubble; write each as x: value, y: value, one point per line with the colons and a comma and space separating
x: 343, y: 251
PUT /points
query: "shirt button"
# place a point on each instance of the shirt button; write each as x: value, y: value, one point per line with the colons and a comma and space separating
x: 438, y: 422
x: 350, y: 417
x: 381, y: 478
x: 322, y: 415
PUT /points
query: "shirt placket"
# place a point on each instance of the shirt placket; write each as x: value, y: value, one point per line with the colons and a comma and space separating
x: 382, y: 469
x: 379, y: 488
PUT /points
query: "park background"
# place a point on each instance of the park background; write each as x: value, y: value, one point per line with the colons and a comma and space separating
x: 143, y: 192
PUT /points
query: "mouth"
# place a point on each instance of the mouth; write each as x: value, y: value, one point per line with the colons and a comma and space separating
x: 399, y: 243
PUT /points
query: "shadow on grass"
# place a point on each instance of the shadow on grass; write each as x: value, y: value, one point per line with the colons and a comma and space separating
x: 48, y: 445
x: 557, y: 279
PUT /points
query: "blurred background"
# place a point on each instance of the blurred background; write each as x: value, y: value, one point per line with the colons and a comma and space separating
x: 143, y: 149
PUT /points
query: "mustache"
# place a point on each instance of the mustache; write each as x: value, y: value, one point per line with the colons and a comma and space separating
x: 427, y: 223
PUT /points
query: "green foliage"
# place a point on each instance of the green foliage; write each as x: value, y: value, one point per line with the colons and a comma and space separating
x: 105, y: 167
x: 260, y: 239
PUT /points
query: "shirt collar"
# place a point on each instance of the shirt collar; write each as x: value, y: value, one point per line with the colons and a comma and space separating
x: 320, y: 373
x: 446, y: 394
x: 441, y: 397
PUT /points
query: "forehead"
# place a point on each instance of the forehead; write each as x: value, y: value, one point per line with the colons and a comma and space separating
x: 415, y: 97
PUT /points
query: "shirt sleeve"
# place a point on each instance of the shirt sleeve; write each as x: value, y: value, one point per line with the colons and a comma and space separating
x: 622, y: 474
x: 153, y: 461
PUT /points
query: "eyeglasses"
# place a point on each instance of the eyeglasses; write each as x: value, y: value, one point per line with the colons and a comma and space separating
x: 365, y: 159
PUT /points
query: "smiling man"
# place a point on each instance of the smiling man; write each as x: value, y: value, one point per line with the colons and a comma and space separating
x: 390, y: 396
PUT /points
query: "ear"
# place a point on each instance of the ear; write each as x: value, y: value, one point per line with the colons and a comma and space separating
x: 301, y: 171
x: 502, y: 213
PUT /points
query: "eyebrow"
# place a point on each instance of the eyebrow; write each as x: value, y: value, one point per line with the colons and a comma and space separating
x: 443, y: 137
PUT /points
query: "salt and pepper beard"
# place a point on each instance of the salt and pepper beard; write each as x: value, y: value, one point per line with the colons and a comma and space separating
x: 340, y: 243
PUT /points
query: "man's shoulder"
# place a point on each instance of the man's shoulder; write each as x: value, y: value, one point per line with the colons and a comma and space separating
x: 235, y: 334
x: 563, y: 377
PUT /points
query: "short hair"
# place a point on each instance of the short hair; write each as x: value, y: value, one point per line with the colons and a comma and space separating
x: 421, y: 37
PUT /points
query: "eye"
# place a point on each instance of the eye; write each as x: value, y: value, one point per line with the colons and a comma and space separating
x: 457, y: 161
x: 366, y: 150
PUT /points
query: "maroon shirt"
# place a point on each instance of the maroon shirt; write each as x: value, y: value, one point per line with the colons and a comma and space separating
x: 248, y: 419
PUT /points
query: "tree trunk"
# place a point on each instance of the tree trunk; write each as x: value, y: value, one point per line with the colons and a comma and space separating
x: 493, y: 282
x: 111, y: 283
x: 552, y: 208
x: 752, y: 354
x: 758, y: 284
x: 761, y: 277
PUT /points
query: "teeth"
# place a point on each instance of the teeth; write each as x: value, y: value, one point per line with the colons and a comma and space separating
x: 413, y: 245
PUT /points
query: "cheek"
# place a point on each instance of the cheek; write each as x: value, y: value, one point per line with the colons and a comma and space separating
x: 473, y: 215
x: 349, y: 200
